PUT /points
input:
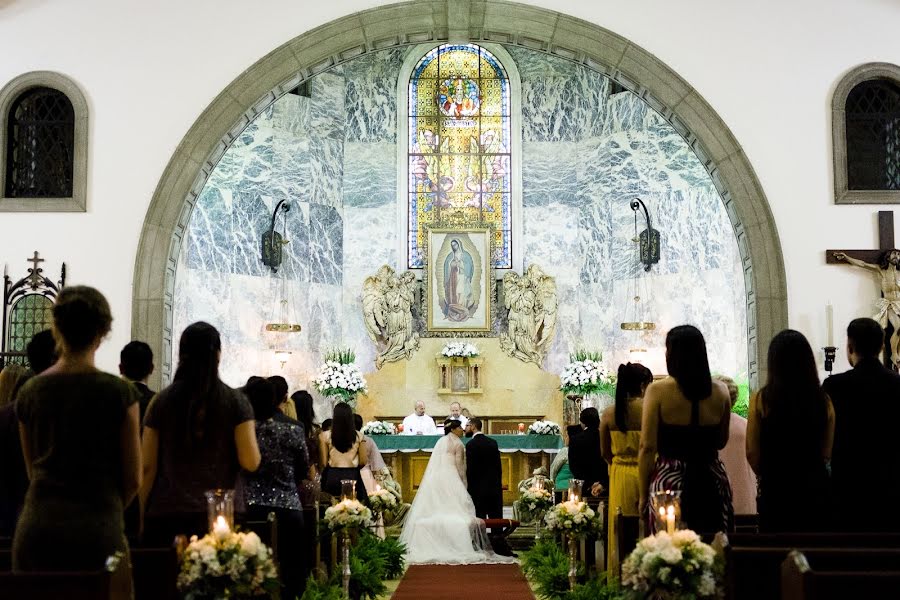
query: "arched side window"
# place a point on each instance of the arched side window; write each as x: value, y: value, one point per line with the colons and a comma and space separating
x: 29, y: 315
x: 43, y: 150
x: 460, y: 139
x: 866, y: 135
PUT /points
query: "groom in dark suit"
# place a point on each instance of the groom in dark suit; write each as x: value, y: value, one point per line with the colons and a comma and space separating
x: 483, y: 473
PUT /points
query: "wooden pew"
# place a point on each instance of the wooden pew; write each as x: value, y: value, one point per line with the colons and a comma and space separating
x: 155, y: 573
x: 754, y: 572
x: 800, y: 581
x: 111, y: 583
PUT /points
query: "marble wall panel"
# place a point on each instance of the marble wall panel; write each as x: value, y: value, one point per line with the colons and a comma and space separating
x: 549, y: 174
x: 371, y: 96
x: 370, y: 175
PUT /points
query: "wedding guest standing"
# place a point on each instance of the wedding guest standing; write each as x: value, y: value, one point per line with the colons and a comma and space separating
x: 79, y: 430
x: 866, y: 401
x: 342, y: 451
x: 198, y: 434
x: 790, y: 430
x: 734, y: 457
x: 585, y: 459
x: 286, y: 405
x: 685, y: 424
x: 273, y: 487
x: 136, y: 366
x: 620, y: 440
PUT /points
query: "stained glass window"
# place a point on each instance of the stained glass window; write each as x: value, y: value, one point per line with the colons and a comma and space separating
x: 459, y: 147
x: 29, y: 315
x: 873, y: 136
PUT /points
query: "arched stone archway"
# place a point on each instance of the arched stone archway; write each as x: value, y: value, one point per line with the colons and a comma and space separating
x: 432, y: 21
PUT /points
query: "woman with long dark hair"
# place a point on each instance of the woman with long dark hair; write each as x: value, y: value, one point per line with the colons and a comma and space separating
x: 306, y: 415
x: 198, y: 434
x: 684, y: 425
x: 341, y: 450
x: 79, y: 436
x: 620, y: 441
x: 790, y: 430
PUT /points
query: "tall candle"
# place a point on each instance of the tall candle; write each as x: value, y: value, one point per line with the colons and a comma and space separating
x: 829, y: 324
x: 670, y: 520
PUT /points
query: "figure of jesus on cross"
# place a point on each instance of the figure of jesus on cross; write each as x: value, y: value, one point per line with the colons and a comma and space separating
x: 884, y: 262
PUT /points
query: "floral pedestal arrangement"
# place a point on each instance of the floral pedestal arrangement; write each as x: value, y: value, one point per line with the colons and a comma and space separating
x: 586, y: 382
x: 339, y: 378
x: 673, y: 566
x: 379, y: 428
x: 227, y: 564
x: 575, y: 519
x: 345, y: 517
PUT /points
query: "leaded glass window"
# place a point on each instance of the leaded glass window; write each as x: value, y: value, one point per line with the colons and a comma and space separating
x: 40, y: 148
x: 459, y: 147
x: 30, y: 314
x: 873, y: 136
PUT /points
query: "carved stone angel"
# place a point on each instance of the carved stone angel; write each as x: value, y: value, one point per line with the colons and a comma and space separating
x: 387, y: 309
x: 531, y: 302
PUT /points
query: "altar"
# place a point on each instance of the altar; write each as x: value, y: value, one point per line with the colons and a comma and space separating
x: 408, y: 455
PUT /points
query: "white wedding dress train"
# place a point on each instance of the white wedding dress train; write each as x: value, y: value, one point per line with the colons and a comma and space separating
x: 441, y: 527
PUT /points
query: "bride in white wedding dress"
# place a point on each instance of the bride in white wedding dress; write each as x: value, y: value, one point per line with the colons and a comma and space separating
x: 441, y: 527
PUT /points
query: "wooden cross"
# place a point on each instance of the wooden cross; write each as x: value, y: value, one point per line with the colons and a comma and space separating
x: 885, y: 242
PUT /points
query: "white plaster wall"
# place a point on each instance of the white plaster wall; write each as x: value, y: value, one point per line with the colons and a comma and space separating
x: 767, y: 67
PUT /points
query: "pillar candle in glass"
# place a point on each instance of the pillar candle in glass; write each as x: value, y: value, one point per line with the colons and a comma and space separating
x: 219, y: 509
x: 666, y: 510
x: 575, y: 486
x: 348, y: 489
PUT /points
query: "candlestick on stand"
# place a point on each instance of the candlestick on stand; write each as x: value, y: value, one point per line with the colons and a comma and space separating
x: 829, y: 325
x: 830, y: 355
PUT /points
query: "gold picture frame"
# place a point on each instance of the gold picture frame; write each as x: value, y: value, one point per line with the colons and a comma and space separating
x: 459, y: 281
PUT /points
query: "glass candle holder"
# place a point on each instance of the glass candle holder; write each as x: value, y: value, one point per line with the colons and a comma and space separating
x: 220, y: 510
x: 575, y: 486
x: 538, y: 482
x: 348, y: 489
x: 666, y: 507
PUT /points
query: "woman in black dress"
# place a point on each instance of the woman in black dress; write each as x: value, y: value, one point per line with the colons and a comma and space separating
x: 79, y: 434
x: 342, y: 451
x: 790, y: 430
x: 684, y: 424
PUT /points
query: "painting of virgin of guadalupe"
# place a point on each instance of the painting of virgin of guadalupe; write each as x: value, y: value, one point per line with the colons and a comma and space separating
x: 458, y: 269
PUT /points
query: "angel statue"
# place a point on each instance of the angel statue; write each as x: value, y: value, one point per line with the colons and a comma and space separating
x: 387, y: 309
x: 530, y: 300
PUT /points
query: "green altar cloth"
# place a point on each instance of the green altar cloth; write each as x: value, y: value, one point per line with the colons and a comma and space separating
x: 529, y: 444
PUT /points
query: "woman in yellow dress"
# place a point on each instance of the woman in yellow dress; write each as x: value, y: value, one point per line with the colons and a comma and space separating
x: 620, y: 439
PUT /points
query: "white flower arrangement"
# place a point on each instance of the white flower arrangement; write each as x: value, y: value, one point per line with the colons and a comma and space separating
x: 679, y: 563
x: 573, y: 517
x: 228, y: 564
x: 534, y: 502
x: 348, y: 514
x: 544, y: 428
x: 340, y: 379
x: 586, y: 374
x: 462, y: 349
x: 381, y: 500
x: 379, y: 428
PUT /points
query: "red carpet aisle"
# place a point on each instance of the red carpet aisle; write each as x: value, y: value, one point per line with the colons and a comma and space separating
x: 481, y: 582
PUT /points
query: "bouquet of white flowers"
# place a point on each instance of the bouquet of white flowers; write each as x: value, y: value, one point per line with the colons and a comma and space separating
x: 536, y: 500
x: 678, y: 564
x: 379, y: 428
x: 340, y: 376
x: 586, y: 374
x: 348, y: 514
x: 227, y: 565
x: 544, y: 428
x: 463, y: 349
x: 381, y: 500
x: 573, y: 517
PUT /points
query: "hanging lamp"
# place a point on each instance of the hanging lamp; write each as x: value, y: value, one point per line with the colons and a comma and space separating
x: 646, y: 252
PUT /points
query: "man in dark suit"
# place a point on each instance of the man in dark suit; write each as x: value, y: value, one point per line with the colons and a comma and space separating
x: 865, y: 462
x: 483, y: 473
x: 585, y: 460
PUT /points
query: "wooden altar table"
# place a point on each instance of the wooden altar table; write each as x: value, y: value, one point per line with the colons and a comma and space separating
x: 520, y: 455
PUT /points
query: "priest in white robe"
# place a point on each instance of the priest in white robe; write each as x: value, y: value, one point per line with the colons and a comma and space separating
x: 419, y: 423
x: 456, y: 414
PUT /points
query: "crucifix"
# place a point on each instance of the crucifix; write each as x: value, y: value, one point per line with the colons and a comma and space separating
x: 34, y: 273
x: 884, y: 262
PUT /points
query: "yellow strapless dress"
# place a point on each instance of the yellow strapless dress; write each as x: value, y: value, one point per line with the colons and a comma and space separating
x: 624, y: 488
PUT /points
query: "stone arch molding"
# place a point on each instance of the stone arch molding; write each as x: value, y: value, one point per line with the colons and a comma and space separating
x: 480, y: 21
